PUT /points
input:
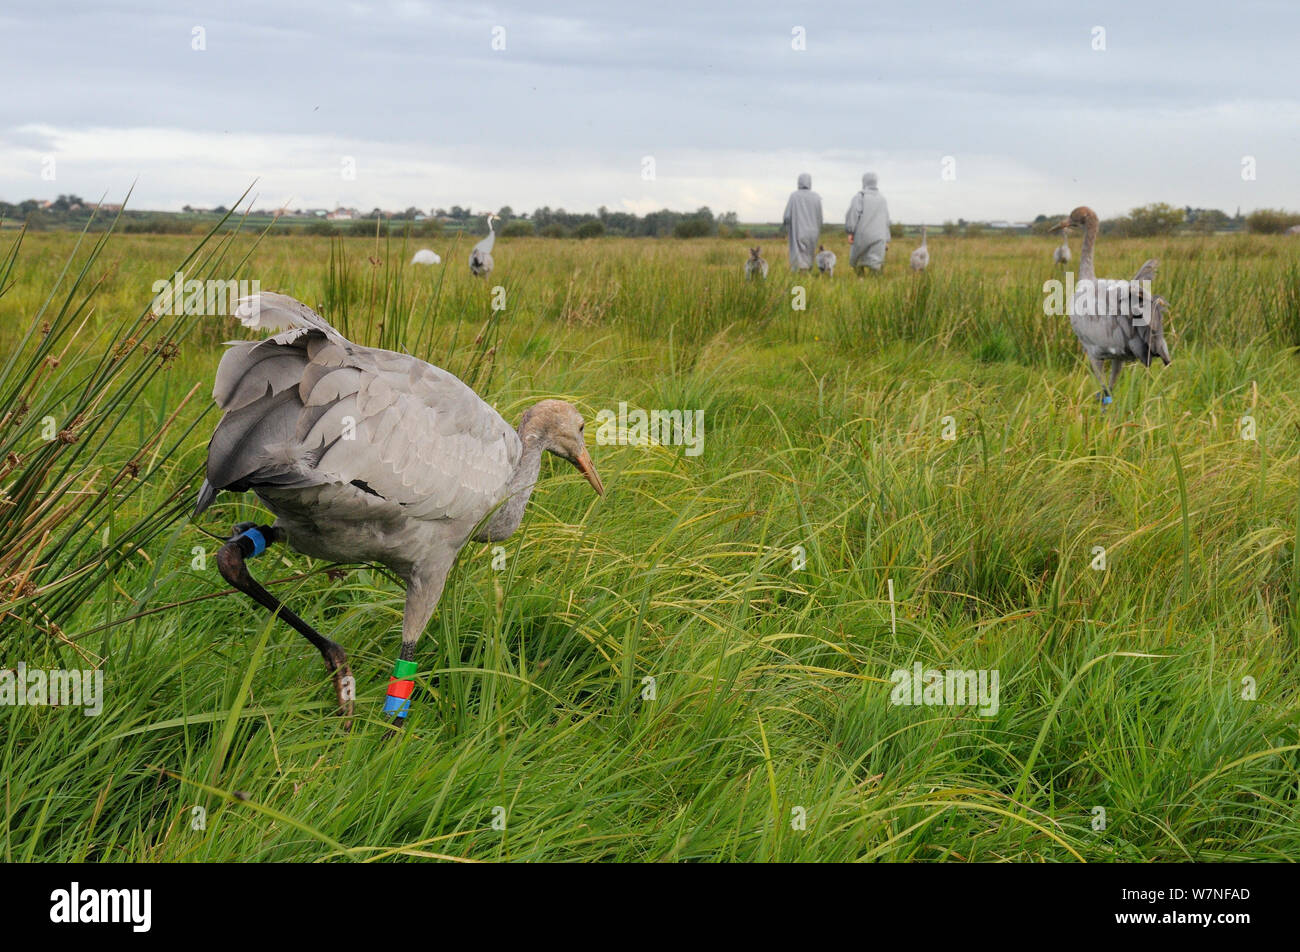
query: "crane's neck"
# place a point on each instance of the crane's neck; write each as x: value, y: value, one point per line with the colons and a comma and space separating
x: 506, y: 519
x: 1086, y: 272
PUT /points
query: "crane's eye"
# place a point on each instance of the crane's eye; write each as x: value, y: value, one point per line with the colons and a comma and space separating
x: 582, y: 426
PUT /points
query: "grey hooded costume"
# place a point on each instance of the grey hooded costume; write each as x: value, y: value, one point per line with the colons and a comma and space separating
x: 867, y: 221
x: 803, y: 223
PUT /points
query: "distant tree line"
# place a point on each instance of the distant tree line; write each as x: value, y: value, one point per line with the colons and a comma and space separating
x: 558, y: 223
x: 546, y: 222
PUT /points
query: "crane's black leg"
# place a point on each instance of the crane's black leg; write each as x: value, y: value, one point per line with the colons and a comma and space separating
x: 1115, y: 367
x: 422, y: 593
x: 1099, y: 372
x: 251, y: 541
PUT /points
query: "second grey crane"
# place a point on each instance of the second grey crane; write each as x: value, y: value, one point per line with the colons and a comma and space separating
x: 825, y: 262
x: 480, y: 258
x: 1115, y: 320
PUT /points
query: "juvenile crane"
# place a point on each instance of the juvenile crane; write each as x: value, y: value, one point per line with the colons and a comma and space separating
x: 1061, y: 255
x: 368, y: 455
x: 825, y: 262
x: 480, y: 259
x: 1115, y: 320
x: 755, y: 267
x: 921, y: 256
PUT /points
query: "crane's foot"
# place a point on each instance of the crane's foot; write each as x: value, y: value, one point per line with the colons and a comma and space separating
x: 394, y: 728
x: 345, y: 686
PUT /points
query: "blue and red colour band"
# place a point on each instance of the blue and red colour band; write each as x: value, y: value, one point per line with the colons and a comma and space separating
x: 400, y: 687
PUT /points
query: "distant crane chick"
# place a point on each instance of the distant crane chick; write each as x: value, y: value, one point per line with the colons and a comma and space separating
x: 480, y: 259
x: 921, y: 256
x: 1061, y: 255
x: 825, y: 262
x: 755, y: 267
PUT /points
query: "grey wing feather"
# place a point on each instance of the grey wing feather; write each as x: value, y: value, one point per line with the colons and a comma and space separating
x: 307, y: 407
x: 1147, y: 339
x: 255, y: 445
x: 279, y: 312
x: 1116, y: 332
x: 1150, y: 337
x: 207, y: 494
x: 248, y: 372
x: 420, y: 437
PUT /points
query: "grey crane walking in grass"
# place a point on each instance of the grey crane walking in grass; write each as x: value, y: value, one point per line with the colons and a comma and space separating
x: 755, y: 267
x: 1115, y: 320
x: 825, y: 262
x: 366, y: 455
x: 480, y: 259
x: 1061, y: 255
x: 921, y: 255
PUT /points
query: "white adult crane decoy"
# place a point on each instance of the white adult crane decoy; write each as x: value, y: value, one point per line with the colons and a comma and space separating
x: 825, y: 262
x: 921, y: 256
x: 1061, y: 255
x: 480, y: 259
x: 1114, y: 320
x: 426, y: 256
x: 366, y: 455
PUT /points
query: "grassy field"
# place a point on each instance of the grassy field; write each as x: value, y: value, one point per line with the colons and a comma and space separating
x: 751, y: 582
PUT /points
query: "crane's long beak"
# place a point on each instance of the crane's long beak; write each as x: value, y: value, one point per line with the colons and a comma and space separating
x: 583, y: 462
x: 1061, y: 225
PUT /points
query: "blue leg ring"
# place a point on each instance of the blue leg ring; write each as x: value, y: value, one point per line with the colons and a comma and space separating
x: 258, y: 540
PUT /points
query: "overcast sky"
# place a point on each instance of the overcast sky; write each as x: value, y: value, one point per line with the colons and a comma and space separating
x: 1033, y: 117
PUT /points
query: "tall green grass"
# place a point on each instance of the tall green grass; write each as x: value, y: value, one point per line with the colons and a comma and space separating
x: 748, y: 586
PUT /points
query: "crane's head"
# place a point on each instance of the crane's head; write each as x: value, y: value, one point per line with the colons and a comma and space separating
x: 560, y: 427
x: 1079, y: 218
